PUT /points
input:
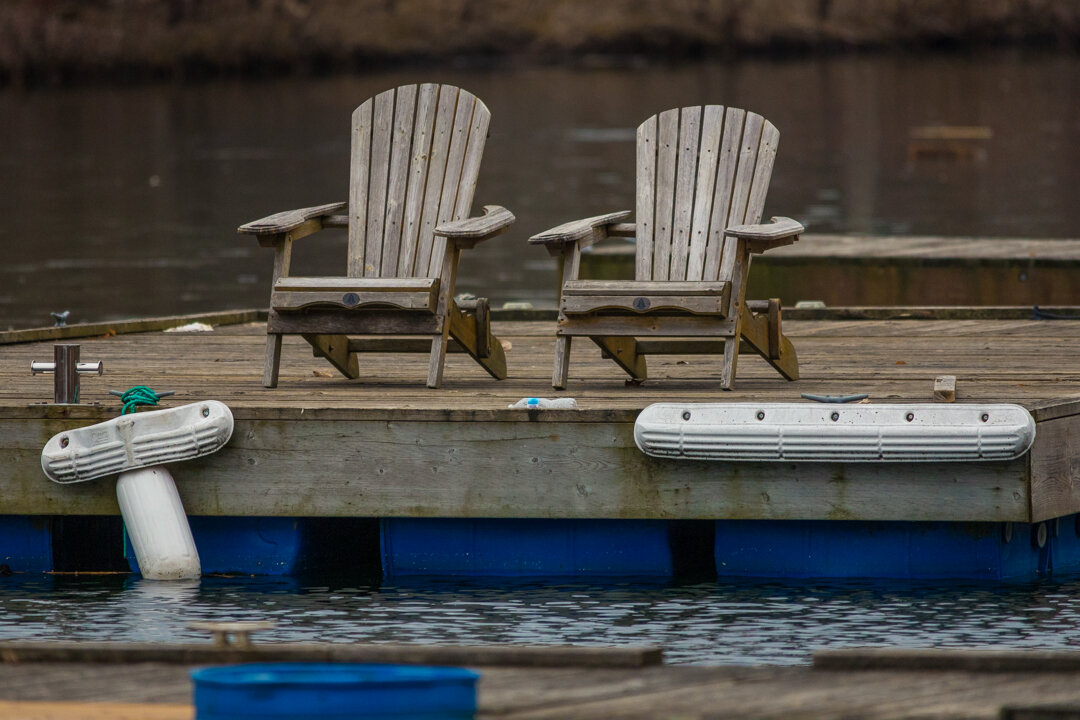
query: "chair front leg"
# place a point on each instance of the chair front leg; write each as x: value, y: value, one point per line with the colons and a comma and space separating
x: 735, y: 311
x: 447, y: 279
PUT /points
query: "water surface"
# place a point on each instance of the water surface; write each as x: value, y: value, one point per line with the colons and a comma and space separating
x: 708, y: 623
x: 124, y: 201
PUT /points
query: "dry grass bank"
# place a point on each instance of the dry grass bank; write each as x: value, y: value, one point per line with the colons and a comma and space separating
x: 57, y: 40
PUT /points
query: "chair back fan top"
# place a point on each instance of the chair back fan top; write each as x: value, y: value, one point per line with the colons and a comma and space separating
x: 416, y: 153
x: 699, y: 170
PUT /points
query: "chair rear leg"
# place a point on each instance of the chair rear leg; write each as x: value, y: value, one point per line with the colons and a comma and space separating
x: 273, y: 360
x: 623, y: 350
x: 562, y: 362
x: 335, y: 348
x: 762, y: 332
x: 472, y: 331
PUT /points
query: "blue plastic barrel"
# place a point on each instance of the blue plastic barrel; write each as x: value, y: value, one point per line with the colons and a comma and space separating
x: 334, y: 690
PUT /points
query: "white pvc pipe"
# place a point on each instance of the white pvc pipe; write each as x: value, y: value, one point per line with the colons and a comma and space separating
x: 157, y: 524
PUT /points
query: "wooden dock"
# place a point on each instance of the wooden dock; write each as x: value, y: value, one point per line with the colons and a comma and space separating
x: 878, y: 683
x: 386, y: 446
x: 892, y: 271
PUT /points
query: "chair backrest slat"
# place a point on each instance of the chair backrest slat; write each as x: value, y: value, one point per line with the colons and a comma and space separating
x: 415, y: 160
x: 646, y: 197
x: 397, y: 184
x: 667, y: 153
x: 359, y: 169
x: 685, y: 180
x: 728, y: 163
x: 712, y: 128
x: 699, y: 170
x: 412, y: 223
x: 455, y: 157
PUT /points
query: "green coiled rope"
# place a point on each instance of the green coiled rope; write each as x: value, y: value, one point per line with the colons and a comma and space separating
x: 139, y: 395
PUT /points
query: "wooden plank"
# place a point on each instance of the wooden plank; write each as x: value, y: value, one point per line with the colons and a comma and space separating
x: 969, y: 660
x: 42, y: 710
x: 759, y: 186
x: 644, y: 287
x: 945, y: 388
x: 335, y: 348
x: 740, y: 190
x: 712, y: 128
x: 400, y: 158
x: 474, y: 152
x: 369, y: 322
x: 728, y: 162
x: 124, y: 327
x: 696, y: 304
x: 667, y: 160
x: 282, y: 301
x: 478, y: 655
x: 378, y: 176
x: 442, y: 136
x: 340, y: 284
x: 647, y: 325
x: 284, y: 222
x: 645, y: 203
x: 451, y: 180
x: 686, y: 176
x: 359, y: 178
x: 256, y: 474
x: 1055, y: 470
x: 423, y: 135
x: 577, y: 230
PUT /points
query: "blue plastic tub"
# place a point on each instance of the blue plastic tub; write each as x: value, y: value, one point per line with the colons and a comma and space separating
x: 334, y: 690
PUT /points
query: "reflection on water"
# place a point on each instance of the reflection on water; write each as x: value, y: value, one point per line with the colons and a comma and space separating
x: 124, y: 201
x: 709, y: 623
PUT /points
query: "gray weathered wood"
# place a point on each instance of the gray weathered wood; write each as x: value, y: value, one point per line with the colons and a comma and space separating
x: 416, y: 153
x: 577, y: 231
x: 685, y: 185
x: 945, y: 388
x: 701, y: 170
x: 283, y: 222
x: 712, y: 127
x: 129, y: 653
x: 494, y: 221
x: 667, y: 153
x: 645, y: 204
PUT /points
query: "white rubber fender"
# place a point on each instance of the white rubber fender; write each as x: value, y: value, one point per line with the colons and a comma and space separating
x: 157, y: 525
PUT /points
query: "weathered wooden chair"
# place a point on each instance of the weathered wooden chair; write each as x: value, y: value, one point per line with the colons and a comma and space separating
x: 702, y: 175
x: 416, y: 153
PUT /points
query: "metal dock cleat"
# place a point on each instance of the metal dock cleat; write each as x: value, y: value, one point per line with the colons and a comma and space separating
x: 66, y: 369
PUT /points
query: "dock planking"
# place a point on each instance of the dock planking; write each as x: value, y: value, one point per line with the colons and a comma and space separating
x: 925, y: 684
x: 890, y: 271
x: 385, y: 445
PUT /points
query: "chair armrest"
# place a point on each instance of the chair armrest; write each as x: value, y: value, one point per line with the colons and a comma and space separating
x: 284, y: 222
x: 763, y: 236
x: 578, y: 231
x: 468, y: 232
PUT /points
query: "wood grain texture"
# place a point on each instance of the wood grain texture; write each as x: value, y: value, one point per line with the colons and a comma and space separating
x: 577, y: 230
x: 581, y: 691
x: 283, y: 222
x: 438, y: 447
x: 494, y: 221
x: 695, y: 169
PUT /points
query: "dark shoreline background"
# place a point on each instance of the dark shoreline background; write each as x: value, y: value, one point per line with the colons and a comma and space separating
x: 49, y: 42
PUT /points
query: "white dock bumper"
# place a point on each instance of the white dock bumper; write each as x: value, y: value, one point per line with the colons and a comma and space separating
x: 821, y: 432
x: 136, y: 446
x: 137, y: 440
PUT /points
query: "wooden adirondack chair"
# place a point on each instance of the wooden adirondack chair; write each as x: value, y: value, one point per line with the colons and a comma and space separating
x: 416, y: 153
x: 702, y: 175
